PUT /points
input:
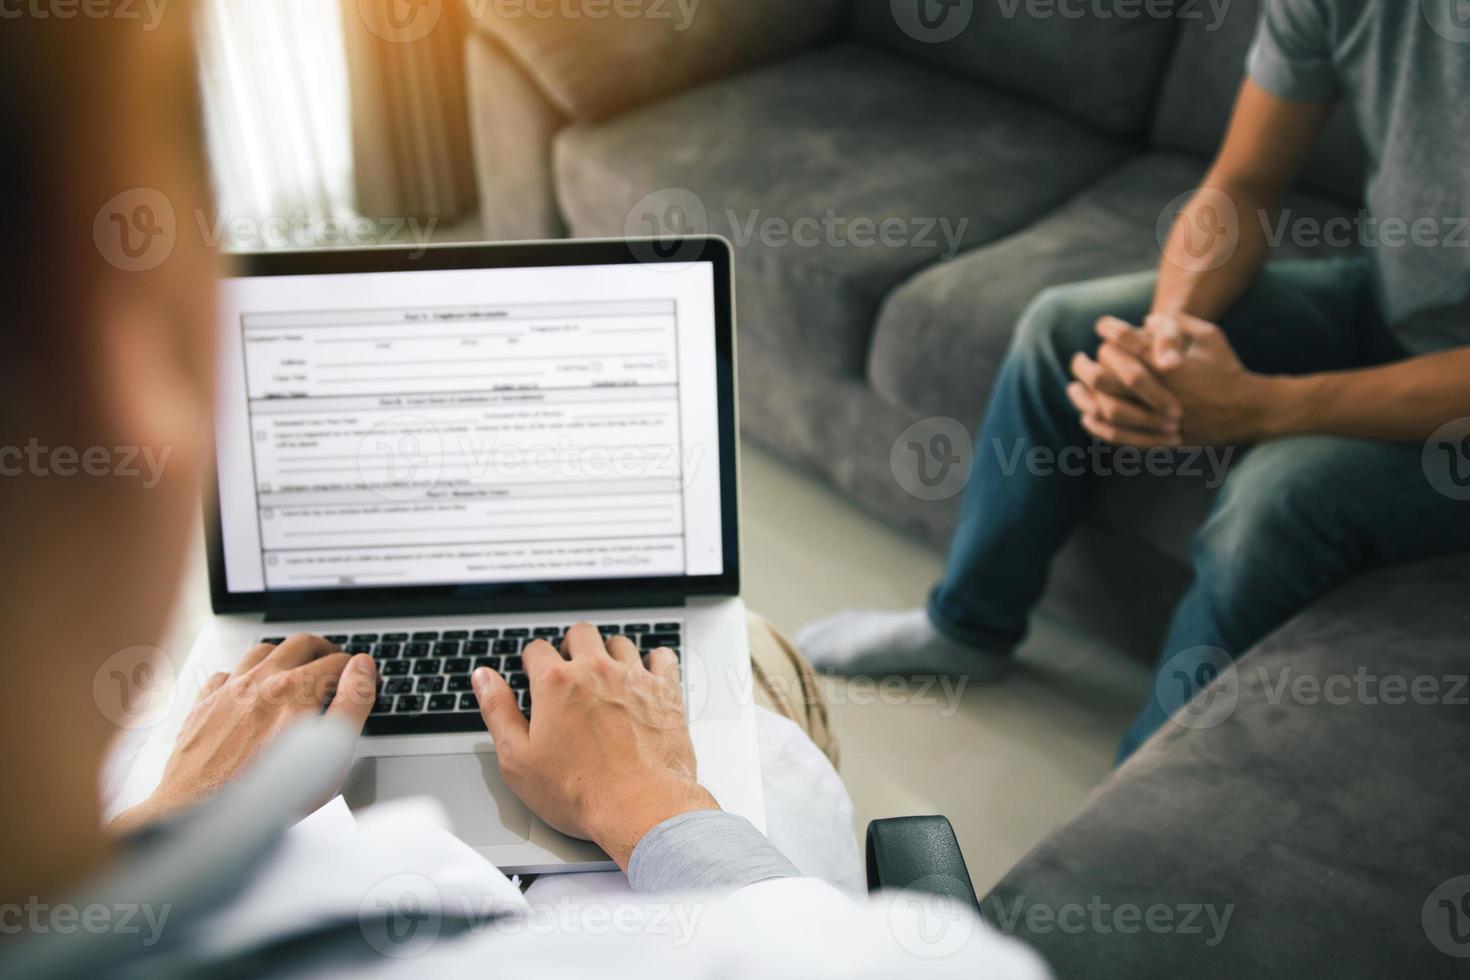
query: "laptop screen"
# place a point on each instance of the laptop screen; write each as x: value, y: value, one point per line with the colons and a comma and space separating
x: 458, y: 426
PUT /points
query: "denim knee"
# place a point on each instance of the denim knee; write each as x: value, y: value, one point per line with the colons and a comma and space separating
x: 1057, y: 325
x: 1277, y: 526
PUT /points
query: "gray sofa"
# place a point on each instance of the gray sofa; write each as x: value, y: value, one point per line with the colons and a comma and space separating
x: 1061, y: 143
x: 1057, y: 142
x: 1321, y: 817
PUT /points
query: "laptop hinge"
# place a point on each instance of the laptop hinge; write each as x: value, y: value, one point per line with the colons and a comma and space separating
x: 399, y: 608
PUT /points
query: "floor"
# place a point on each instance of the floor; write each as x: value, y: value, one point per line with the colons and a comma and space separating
x: 1008, y: 763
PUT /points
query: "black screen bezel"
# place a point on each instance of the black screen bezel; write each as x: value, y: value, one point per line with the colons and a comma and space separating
x: 504, y: 596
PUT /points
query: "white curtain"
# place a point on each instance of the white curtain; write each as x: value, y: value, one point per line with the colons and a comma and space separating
x: 276, y: 109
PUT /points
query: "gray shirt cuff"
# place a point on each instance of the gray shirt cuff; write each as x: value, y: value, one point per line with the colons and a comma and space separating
x: 1291, y: 55
x: 1293, y: 82
x: 705, y: 851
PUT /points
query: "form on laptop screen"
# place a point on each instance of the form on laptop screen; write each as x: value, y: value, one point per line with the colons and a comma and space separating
x: 471, y: 426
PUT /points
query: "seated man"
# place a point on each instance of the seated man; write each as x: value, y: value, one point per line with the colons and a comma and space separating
x: 101, y: 364
x: 1336, y: 372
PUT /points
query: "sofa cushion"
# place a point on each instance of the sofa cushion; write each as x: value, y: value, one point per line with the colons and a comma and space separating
x: 1085, y: 59
x: 800, y: 162
x: 596, y: 65
x: 1199, y: 91
x: 1324, y: 810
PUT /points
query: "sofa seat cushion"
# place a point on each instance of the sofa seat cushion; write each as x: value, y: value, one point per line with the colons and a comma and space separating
x: 804, y: 163
x: 1325, y: 813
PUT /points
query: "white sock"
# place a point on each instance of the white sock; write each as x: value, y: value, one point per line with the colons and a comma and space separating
x: 881, y: 644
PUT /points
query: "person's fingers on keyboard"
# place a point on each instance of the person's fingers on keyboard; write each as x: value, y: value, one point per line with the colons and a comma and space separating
x: 663, y: 663
x: 621, y: 649
x: 214, y: 684
x: 254, y: 657
x: 498, y: 707
x: 584, y: 642
x: 357, y: 690
x: 300, y: 649
x: 537, y: 656
x: 311, y: 685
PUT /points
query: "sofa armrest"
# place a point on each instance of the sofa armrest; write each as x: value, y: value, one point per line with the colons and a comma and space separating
x: 512, y: 128
x: 918, y: 854
x: 593, y: 66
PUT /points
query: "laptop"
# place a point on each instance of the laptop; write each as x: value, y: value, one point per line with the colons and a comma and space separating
x: 436, y: 456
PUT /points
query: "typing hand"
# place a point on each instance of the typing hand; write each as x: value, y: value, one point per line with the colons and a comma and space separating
x: 239, y: 714
x: 1120, y: 395
x: 606, y: 755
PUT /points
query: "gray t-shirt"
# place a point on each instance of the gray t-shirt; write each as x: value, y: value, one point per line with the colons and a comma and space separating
x: 1403, y: 66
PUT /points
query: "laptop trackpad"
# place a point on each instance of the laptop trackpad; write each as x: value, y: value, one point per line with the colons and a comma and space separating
x: 482, y: 810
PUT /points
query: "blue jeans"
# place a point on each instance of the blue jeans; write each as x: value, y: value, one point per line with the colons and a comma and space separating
x: 1295, y: 516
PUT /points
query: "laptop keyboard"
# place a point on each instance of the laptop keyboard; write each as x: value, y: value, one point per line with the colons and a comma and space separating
x: 424, y: 675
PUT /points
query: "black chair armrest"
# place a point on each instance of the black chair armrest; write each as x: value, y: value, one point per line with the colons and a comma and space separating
x: 918, y: 854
